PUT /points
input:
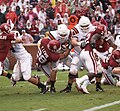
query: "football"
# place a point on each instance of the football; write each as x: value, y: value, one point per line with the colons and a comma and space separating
x: 118, y: 84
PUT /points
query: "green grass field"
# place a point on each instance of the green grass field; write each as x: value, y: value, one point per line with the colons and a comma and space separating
x: 26, y: 97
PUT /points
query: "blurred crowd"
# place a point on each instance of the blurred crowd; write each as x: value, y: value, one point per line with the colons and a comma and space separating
x: 33, y: 18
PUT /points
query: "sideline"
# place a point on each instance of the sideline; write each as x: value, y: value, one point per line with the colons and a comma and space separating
x: 40, y: 109
x: 102, y: 106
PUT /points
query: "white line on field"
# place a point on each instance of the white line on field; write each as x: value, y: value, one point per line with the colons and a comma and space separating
x: 60, y: 81
x: 102, y: 106
x: 40, y: 109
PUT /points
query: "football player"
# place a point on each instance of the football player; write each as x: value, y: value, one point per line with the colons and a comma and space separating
x: 79, y: 33
x: 112, y: 67
x: 48, y: 58
x: 63, y: 35
x: 110, y: 72
x: 103, y: 49
x: 89, y: 61
x: 6, y: 39
x: 22, y: 68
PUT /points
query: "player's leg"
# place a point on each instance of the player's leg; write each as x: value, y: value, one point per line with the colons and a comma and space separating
x: 3, y: 72
x: 108, y: 76
x: 50, y: 72
x: 26, y: 73
x: 73, y: 73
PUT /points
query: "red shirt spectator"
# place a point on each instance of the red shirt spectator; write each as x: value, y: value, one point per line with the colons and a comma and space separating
x: 34, y: 32
x: 61, y: 8
x: 31, y: 15
x: 11, y: 15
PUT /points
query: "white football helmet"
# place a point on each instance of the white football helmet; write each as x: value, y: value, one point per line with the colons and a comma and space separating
x: 63, y: 32
x: 117, y: 41
x: 84, y: 23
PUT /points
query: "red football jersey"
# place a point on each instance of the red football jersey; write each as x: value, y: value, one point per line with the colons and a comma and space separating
x: 113, y: 62
x: 44, y: 55
x: 88, y: 41
x: 5, y: 45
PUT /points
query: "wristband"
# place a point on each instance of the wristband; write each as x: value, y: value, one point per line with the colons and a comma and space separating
x: 13, y: 42
x: 79, y: 43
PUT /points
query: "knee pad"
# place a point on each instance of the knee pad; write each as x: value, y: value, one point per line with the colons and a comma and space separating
x: 26, y: 78
x: 71, y: 76
x: 73, y: 69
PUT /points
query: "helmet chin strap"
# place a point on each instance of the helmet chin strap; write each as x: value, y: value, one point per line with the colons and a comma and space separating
x: 85, y: 31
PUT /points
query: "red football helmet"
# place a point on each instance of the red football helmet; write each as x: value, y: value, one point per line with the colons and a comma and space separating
x: 53, y: 45
x: 100, y: 29
x: 5, y: 28
x: 96, y: 23
x: 116, y: 55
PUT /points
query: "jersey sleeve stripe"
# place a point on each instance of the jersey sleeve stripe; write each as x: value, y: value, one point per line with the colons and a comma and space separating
x: 51, y: 36
x: 75, y: 30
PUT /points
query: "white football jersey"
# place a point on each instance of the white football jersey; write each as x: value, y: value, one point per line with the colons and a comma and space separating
x: 117, y: 41
x: 54, y: 35
x: 18, y: 50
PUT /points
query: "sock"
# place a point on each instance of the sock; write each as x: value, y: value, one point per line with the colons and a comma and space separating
x: 9, y: 75
x: 69, y: 85
x: 52, y: 83
x: 40, y: 85
x: 98, y: 84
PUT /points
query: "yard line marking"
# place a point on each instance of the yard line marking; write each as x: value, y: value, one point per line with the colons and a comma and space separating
x: 60, y: 81
x: 102, y: 106
x: 40, y: 109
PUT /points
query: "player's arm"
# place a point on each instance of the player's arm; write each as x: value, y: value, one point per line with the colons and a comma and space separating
x: 17, y: 37
x: 65, y: 54
x: 10, y: 36
x: 74, y: 41
x: 17, y: 40
x: 39, y: 43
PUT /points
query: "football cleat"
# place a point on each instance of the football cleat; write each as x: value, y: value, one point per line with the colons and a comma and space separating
x: 99, y: 88
x: 66, y: 90
x: 44, y: 90
x: 37, y: 77
x: 84, y: 90
x: 52, y: 90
